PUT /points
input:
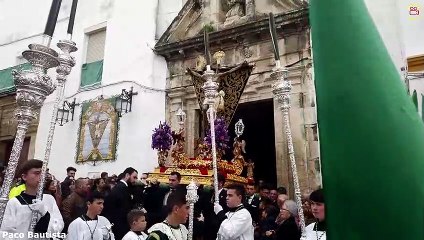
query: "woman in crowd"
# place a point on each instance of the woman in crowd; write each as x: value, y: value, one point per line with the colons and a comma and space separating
x: 267, y: 222
x: 287, y: 228
x: 112, y: 181
x: 51, y: 187
x: 307, y: 212
x: 99, y: 186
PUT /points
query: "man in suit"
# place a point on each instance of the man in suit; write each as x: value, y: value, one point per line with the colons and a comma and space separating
x: 120, y: 202
x: 174, y: 186
x: 252, y: 202
x: 264, y: 190
x: 70, y: 177
x: 211, y: 220
x: 156, y: 198
x: 222, y: 192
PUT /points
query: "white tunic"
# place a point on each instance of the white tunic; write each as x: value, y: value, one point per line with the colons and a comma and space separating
x: 80, y: 229
x: 173, y: 234
x: 133, y: 236
x: 17, y: 219
x: 311, y: 234
x: 237, y: 226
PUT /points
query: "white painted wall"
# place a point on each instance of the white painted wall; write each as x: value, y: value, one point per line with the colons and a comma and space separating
x: 128, y: 61
x: 167, y: 11
x: 412, y: 27
x: 389, y: 28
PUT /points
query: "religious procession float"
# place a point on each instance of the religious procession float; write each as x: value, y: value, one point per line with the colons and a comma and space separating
x: 218, y: 90
x: 199, y: 168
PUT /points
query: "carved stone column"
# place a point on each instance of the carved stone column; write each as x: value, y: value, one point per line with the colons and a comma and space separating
x: 235, y: 13
x: 211, y: 12
x: 250, y: 9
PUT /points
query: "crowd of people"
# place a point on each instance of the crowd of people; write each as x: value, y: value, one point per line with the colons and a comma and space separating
x: 127, y: 207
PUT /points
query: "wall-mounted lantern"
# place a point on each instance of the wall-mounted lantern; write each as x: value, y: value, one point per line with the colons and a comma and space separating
x: 63, y: 113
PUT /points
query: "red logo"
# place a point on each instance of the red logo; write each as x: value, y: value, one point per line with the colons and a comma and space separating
x: 414, y: 11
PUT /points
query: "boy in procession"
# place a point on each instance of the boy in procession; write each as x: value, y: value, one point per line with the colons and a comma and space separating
x: 318, y: 229
x: 91, y: 226
x: 19, y: 210
x: 237, y: 222
x: 172, y: 227
x: 137, y: 222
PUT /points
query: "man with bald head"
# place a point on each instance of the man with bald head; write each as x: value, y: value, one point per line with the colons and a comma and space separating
x: 74, y: 205
x: 281, y: 199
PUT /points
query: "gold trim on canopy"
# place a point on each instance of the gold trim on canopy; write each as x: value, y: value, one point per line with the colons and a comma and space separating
x: 232, y: 82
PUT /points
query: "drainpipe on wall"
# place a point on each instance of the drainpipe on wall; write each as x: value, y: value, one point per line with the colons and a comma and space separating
x: 157, y: 20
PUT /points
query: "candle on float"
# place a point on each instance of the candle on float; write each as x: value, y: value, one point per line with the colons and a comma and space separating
x: 274, y: 38
x: 52, y: 18
x: 72, y: 16
x: 206, y: 42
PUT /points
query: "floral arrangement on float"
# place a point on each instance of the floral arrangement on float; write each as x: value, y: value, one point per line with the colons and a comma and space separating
x: 170, y: 146
x: 203, y: 161
x: 222, y: 138
x: 162, y: 141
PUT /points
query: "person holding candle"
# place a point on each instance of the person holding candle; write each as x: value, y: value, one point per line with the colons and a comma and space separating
x: 19, y: 210
x: 237, y: 222
x: 91, y: 225
x: 172, y: 228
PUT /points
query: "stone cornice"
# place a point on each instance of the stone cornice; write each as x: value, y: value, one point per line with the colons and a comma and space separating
x: 295, y: 19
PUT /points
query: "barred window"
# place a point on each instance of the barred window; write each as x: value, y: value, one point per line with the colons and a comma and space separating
x: 96, y: 46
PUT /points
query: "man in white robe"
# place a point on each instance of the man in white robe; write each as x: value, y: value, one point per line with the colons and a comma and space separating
x: 19, y: 210
x: 237, y: 223
x: 91, y: 226
x: 172, y: 227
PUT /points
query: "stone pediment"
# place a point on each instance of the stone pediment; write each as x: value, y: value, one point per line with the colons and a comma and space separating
x: 217, y: 15
x: 188, y: 23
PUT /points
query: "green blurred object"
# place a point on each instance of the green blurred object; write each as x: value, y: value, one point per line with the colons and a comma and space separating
x: 415, y: 99
x: 7, y: 84
x: 422, y: 107
x: 91, y: 74
x: 371, y: 137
